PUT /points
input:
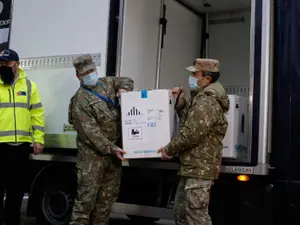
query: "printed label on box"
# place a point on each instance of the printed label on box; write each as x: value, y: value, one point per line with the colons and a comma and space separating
x: 135, y: 133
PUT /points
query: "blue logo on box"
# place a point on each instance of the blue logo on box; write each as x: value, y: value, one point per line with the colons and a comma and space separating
x: 151, y: 124
x: 144, y: 94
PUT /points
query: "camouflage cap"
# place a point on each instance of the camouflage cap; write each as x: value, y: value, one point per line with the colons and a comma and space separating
x: 84, y: 63
x: 205, y: 65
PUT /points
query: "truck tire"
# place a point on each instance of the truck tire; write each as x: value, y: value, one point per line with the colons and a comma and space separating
x: 56, y: 204
x: 142, y: 220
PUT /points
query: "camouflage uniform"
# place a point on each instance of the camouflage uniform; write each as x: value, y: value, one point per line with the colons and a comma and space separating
x: 98, y: 133
x: 203, y: 126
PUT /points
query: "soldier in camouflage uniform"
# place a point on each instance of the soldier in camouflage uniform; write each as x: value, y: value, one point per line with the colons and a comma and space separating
x: 203, y: 126
x: 95, y: 115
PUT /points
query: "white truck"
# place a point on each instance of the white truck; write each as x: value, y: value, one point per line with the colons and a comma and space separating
x: 151, y: 41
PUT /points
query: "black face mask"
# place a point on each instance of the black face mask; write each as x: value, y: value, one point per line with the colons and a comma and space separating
x: 7, y: 75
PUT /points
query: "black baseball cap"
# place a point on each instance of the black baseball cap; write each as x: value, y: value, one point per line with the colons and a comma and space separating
x: 8, y: 55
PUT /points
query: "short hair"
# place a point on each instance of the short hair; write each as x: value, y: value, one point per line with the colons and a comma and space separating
x: 214, y: 75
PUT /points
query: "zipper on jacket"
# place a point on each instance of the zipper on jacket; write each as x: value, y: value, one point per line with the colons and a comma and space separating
x: 9, y: 95
x: 15, y: 120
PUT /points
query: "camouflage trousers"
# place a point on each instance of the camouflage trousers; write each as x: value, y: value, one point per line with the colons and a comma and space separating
x: 191, y: 202
x: 98, y: 189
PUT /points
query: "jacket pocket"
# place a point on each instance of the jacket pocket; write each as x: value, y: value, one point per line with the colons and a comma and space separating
x: 197, y: 193
x: 101, y: 108
x: 88, y: 172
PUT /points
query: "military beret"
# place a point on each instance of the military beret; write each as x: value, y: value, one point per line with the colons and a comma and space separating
x: 84, y: 63
x: 204, y: 65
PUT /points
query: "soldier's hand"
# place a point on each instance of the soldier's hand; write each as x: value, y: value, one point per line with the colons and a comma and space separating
x: 176, y: 91
x: 119, y: 153
x: 121, y: 90
x: 164, y: 155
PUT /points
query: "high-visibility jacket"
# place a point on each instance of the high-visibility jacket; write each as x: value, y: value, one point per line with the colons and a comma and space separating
x: 21, y: 112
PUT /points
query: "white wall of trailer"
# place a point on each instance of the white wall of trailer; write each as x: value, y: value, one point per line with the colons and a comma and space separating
x: 58, y: 28
x: 51, y: 28
x: 139, y: 51
x: 182, y: 44
x: 139, y: 45
x: 46, y: 29
x: 230, y: 43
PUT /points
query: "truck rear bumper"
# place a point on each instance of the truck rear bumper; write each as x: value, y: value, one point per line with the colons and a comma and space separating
x: 145, y: 211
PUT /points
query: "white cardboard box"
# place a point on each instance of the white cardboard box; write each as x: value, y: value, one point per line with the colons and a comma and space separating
x: 147, y: 122
x: 235, y: 143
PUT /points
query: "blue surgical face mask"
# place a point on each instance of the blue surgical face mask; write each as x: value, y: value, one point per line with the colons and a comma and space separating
x: 193, y: 82
x: 90, y: 79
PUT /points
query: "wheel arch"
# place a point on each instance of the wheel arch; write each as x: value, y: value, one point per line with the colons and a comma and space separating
x: 52, y: 173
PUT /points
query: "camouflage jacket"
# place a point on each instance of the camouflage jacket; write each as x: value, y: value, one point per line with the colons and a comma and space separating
x: 97, y: 122
x: 203, y: 126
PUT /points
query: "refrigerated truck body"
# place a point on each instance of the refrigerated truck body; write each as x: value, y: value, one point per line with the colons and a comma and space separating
x: 152, y: 41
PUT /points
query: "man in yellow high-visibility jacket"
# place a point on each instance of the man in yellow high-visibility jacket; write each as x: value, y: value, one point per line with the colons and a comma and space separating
x: 21, y: 123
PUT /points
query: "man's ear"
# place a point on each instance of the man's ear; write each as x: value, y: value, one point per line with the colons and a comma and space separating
x: 209, y: 79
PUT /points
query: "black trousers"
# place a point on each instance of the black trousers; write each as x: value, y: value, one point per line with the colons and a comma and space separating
x: 13, y: 170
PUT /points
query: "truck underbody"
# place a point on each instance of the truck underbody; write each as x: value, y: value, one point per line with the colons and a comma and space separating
x: 147, y: 193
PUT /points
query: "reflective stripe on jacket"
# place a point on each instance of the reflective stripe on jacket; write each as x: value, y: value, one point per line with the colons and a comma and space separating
x: 21, y: 112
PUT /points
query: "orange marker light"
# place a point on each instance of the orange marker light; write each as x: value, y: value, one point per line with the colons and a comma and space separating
x: 243, y: 178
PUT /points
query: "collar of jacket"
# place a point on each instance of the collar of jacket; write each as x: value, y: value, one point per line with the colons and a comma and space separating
x: 22, y: 75
x: 199, y: 89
